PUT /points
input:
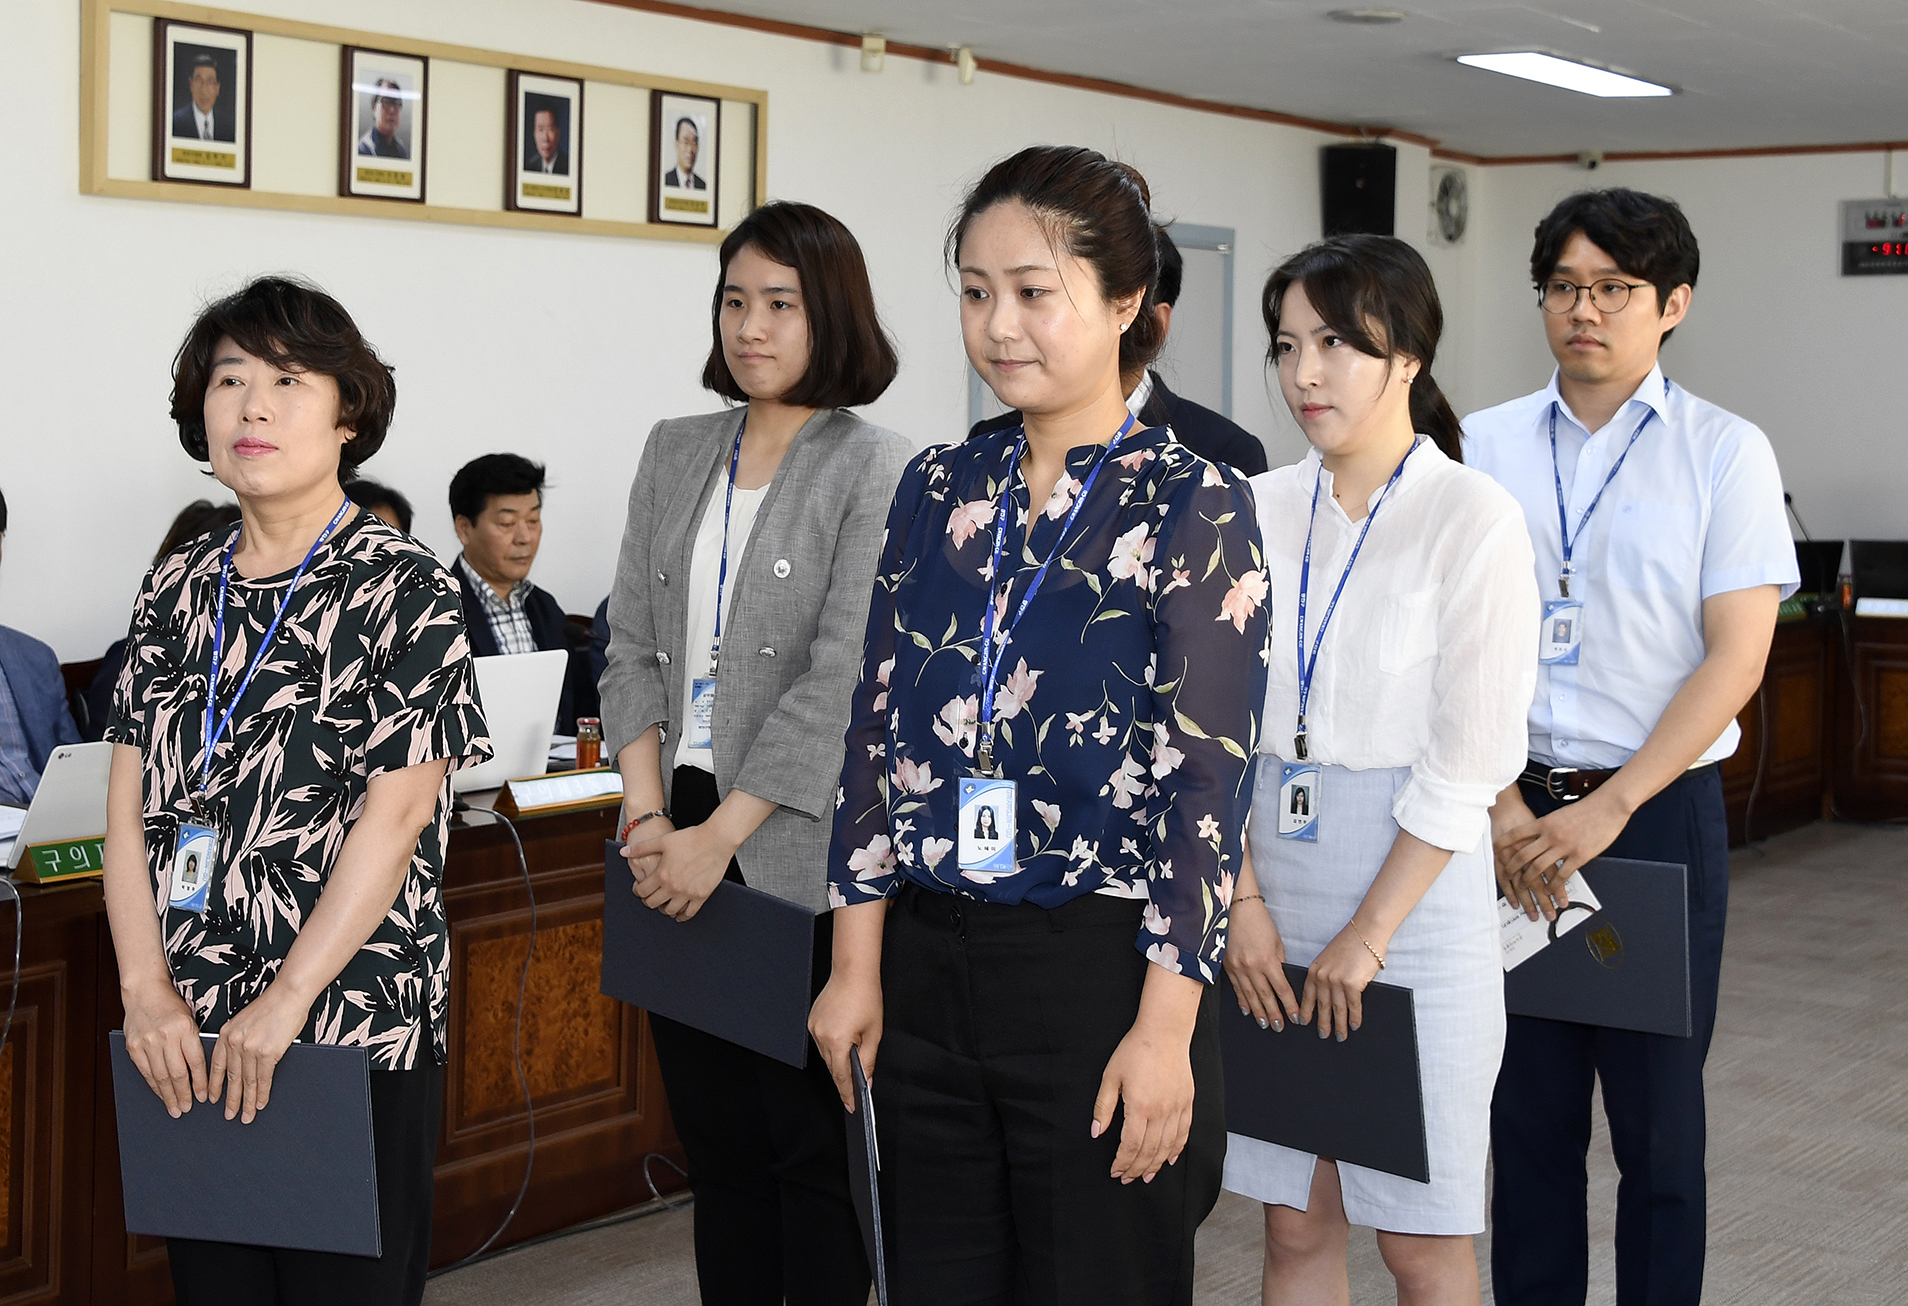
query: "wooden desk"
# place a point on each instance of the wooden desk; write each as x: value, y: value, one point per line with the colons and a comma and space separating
x: 1785, y: 726
x: 592, y: 1073
x: 1870, y: 780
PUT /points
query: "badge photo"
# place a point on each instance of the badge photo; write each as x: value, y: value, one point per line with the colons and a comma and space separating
x: 985, y: 845
x: 702, y: 712
x: 194, y: 856
x: 1561, y: 639
x: 1299, y: 790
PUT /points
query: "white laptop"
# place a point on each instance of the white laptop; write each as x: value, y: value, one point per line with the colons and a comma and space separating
x: 519, y: 694
x: 70, y: 802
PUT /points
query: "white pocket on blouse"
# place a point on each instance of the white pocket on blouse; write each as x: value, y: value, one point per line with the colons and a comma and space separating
x: 1409, y: 636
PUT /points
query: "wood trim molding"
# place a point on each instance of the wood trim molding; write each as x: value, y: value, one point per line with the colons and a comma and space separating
x: 1001, y: 68
x: 827, y: 36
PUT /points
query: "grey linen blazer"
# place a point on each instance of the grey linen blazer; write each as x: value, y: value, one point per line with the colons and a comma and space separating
x: 793, y: 640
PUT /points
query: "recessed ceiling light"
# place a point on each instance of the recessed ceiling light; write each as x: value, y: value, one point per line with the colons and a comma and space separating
x: 1370, y: 16
x: 1569, y: 74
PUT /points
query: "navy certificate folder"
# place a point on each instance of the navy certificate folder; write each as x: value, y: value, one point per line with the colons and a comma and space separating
x: 1360, y: 1101
x: 1627, y: 967
x: 740, y: 969
x: 864, y: 1177
x: 303, y: 1174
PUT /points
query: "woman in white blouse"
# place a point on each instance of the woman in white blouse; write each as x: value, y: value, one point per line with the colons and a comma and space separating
x: 1407, y: 579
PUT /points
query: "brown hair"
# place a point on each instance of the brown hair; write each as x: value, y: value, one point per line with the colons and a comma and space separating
x: 1378, y: 293
x: 296, y: 327
x: 1099, y: 210
x: 194, y: 520
x: 851, y: 361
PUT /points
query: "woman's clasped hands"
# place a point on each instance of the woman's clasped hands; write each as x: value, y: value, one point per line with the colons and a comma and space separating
x: 1334, y: 986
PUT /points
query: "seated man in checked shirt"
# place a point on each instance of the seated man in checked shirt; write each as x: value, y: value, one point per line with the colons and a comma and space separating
x: 496, y: 503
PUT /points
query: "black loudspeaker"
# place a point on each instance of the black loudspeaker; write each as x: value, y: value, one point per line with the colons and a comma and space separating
x: 1360, y: 189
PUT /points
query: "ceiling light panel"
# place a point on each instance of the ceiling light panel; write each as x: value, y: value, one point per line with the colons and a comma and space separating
x: 1567, y: 74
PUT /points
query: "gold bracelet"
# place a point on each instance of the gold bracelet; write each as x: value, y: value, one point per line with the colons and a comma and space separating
x: 1367, y: 942
x: 1248, y: 898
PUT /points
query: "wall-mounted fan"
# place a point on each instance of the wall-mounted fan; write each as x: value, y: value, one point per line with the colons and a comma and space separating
x: 1450, y: 205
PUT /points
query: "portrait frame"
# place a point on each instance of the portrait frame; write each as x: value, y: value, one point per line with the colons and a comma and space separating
x: 181, y: 155
x: 687, y: 206
x: 367, y: 168
x: 530, y: 190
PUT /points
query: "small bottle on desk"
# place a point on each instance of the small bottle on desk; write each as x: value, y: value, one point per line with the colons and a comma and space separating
x: 589, y: 743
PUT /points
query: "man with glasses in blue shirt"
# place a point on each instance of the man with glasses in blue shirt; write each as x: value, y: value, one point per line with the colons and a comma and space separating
x: 1662, y: 553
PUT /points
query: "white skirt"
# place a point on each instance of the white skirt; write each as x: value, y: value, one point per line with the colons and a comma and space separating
x: 1446, y: 952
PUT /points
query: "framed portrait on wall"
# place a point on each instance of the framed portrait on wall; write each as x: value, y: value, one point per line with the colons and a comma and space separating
x: 381, y: 150
x: 543, y: 144
x: 684, y: 147
x: 202, y: 104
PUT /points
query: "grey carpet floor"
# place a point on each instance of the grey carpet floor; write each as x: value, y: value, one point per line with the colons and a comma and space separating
x: 1808, y: 1112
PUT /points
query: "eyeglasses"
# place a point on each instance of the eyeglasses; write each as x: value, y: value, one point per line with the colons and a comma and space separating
x: 1608, y: 296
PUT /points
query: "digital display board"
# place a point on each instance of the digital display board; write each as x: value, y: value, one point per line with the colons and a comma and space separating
x: 1874, y: 237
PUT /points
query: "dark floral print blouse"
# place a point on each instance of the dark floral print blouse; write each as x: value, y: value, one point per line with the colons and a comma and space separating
x: 1128, y: 701
x: 370, y: 672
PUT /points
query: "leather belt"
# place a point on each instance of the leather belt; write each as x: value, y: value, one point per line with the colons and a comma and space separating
x: 1566, y: 784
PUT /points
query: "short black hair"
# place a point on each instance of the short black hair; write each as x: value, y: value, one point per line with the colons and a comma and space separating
x: 373, y: 495
x: 1172, y: 271
x: 1647, y: 235
x: 195, y: 519
x: 851, y: 361
x: 206, y: 61
x: 692, y: 127
x: 297, y: 327
x: 482, y: 479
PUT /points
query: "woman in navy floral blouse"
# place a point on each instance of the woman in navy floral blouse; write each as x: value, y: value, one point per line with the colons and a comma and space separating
x: 1043, y: 1020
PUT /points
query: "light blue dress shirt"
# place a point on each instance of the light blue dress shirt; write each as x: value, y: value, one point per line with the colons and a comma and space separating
x: 1695, y: 510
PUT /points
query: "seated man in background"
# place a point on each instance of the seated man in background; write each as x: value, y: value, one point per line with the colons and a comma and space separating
x: 496, y: 503
x: 34, y: 719
x: 194, y: 520
x: 1214, y: 437
x: 381, y: 501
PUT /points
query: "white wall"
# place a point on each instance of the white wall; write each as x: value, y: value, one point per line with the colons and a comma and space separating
x: 565, y: 348
x: 1775, y: 333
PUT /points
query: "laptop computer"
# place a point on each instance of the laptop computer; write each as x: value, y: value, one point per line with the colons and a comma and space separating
x: 519, y: 693
x: 70, y: 802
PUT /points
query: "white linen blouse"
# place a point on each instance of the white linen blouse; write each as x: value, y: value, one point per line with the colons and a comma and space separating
x: 1430, y: 659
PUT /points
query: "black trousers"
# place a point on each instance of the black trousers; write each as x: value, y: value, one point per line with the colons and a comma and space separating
x: 767, y: 1148
x: 406, y: 1109
x: 999, y: 1023
x: 1652, y: 1096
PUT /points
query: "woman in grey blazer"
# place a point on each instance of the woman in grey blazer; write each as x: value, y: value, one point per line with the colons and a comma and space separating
x: 747, y: 564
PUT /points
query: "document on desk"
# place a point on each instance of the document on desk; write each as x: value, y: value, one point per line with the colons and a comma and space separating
x: 739, y: 969
x: 1623, y: 966
x: 302, y: 1175
x: 864, y: 1177
x: 1360, y: 1101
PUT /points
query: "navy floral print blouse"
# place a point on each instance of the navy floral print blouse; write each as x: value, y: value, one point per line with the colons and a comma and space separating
x: 1128, y: 699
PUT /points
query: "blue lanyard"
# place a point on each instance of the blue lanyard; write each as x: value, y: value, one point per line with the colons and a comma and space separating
x: 992, y: 656
x: 213, y: 736
x: 722, y: 574
x: 1306, y: 666
x: 1556, y: 472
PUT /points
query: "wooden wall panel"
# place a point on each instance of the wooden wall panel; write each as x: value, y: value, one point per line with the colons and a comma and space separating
x: 1871, y: 720
x: 1790, y: 708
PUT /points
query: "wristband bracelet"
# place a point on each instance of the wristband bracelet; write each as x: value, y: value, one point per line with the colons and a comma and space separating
x: 638, y: 820
x: 1367, y: 942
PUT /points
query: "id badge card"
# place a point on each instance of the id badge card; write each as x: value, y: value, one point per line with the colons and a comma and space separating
x: 985, y: 846
x: 701, y: 711
x: 1562, y: 637
x: 193, y: 857
x: 1300, y: 789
